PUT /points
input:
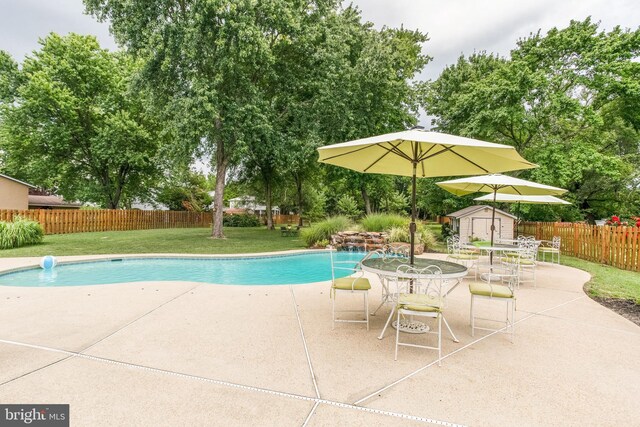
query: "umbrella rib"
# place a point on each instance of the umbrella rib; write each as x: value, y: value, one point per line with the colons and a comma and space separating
x: 450, y: 148
x: 349, y: 152
x: 394, y: 149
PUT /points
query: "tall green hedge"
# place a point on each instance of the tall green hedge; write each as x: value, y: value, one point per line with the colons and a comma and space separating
x: 20, y: 232
x: 241, y: 220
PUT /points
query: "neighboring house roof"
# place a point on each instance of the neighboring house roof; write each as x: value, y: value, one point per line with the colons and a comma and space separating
x: 16, y: 180
x: 473, y: 209
x: 243, y: 198
x: 53, y: 201
x: 234, y: 211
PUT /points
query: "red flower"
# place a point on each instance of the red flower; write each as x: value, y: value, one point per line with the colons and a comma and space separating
x: 638, y: 223
x: 615, y: 218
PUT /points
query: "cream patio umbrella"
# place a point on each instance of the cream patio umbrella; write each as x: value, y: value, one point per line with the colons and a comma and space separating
x: 517, y: 198
x: 498, y: 184
x: 420, y: 153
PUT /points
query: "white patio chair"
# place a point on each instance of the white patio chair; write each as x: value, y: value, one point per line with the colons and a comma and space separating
x: 355, y: 283
x: 468, y: 258
x: 500, y: 286
x: 426, y: 301
x: 526, y: 258
x: 554, y: 250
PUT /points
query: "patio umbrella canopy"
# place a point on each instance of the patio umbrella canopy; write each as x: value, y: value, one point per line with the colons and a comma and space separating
x: 517, y: 198
x: 498, y: 184
x: 419, y: 153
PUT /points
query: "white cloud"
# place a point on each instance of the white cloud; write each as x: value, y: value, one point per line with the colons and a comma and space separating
x: 465, y: 26
x: 23, y: 22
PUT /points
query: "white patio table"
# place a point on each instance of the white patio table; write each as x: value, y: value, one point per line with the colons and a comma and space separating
x: 387, y: 271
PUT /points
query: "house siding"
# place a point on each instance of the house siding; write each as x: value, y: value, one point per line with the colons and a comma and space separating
x: 13, y: 195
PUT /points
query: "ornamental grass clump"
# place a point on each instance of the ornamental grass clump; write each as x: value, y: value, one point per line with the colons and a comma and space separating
x: 322, y: 231
x: 424, y: 236
x: 20, y: 232
x: 384, y: 222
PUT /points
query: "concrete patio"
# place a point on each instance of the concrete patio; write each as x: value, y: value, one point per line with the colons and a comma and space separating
x: 179, y: 353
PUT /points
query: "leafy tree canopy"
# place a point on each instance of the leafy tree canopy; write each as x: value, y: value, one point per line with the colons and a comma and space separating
x: 567, y: 100
x: 74, y: 125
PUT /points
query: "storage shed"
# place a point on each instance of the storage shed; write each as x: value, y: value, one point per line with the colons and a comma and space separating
x: 475, y: 222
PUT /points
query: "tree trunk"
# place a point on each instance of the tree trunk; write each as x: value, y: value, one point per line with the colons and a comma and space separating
x: 218, y: 198
x: 268, y: 206
x: 298, y: 179
x: 367, y: 202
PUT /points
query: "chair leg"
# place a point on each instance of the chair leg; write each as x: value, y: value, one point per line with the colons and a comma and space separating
x: 333, y: 311
x: 513, y: 319
x: 472, y: 320
x: 397, y: 335
x: 366, y: 307
x: 440, y: 339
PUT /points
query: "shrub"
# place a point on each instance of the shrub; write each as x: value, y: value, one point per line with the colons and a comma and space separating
x: 242, y: 220
x: 348, y: 206
x: 323, y: 230
x: 446, y: 230
x: 423, y: 235
x: 383, y: 222
x: 20, y: 232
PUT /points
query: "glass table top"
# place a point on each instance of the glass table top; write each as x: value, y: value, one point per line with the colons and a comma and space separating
x: 391, y: 265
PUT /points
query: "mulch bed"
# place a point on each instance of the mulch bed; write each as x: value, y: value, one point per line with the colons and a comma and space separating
x: 625, y: 308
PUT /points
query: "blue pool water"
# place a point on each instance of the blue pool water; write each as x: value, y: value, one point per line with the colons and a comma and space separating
x: 267, y: 270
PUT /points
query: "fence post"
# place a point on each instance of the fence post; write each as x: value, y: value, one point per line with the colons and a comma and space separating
x: 604, y: 233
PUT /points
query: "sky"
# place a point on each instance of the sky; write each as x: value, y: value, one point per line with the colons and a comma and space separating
x: 454, y: 27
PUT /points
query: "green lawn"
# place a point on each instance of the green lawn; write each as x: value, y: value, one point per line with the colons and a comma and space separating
x: 607, y: 281
x: 176, y: 240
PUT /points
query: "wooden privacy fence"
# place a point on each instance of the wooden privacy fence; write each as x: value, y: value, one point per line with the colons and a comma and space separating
x: 60, y: 221
x: 615, y: 246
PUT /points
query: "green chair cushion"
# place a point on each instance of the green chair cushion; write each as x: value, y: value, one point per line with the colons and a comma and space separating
x: 346, y: 283
x: 469, y: 252
x: 420, y: 302
x: 463, y: 256
x: 549, y: 250
x: 524, y: 261
x: 490, y: 290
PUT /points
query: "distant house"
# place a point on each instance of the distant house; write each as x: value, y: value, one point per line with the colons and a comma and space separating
x: 475, y: 222
x: 42, y: 201
x: 14, y: 194
x: 248, y: 204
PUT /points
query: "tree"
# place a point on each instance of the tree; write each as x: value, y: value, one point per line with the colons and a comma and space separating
x: 185, y: 191
x: 205, y: 63
x: 567, y: 101
x: 74, y: 125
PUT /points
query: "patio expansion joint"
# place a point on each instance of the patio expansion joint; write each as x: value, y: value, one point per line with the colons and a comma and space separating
x: 139, y: 318
x: 435, y: 362
x: 48, y: 365
x: 282, y: 394
x: 306, y: 352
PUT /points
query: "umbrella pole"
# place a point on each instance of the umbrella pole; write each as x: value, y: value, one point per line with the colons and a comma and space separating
x: 412, y: 226
x: 493, y: 220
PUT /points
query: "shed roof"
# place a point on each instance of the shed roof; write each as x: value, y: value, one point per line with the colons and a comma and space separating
x: 473, y: 209
x: 16, y: 180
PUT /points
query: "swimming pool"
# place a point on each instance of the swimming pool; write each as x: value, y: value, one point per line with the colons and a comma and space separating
x: 251, y: 270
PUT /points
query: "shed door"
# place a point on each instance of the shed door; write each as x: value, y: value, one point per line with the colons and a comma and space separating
x: 481, y: 228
